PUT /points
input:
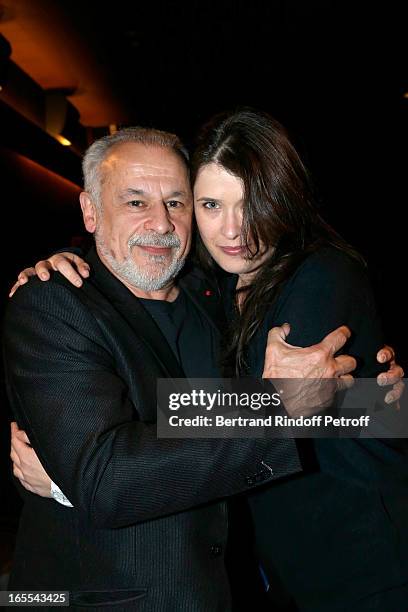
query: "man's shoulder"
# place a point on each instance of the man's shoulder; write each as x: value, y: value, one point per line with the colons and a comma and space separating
x: 36, y: 290
x: 56, y: 312
x: 56, y: 297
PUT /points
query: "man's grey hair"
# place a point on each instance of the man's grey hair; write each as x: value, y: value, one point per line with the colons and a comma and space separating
x: 99, y: 150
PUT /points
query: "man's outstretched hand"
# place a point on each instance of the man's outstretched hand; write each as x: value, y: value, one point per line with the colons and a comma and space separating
x: 283, y: 360
x: 324, y: 372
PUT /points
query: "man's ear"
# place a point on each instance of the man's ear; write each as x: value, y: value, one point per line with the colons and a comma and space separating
x: 88, y: 211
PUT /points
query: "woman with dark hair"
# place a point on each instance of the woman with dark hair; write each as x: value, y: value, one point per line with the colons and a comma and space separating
x: 267, y: 206
x: 334, y: 538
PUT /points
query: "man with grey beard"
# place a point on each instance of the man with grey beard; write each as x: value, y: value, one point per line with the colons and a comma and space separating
x: 144, y: 532
x: 136, y: 275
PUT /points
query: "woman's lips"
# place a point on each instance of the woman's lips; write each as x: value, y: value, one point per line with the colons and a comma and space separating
x: 233, y: 251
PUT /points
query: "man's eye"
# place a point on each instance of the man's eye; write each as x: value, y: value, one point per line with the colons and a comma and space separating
x: 174, y: 204
x: 211, y: 205
x: 136, y: 203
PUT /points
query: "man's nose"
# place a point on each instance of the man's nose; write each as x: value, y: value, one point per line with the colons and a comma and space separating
x: 159, y: 220
x: 231, y: 225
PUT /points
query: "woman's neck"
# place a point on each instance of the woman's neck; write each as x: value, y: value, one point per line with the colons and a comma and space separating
x: 244, y: 280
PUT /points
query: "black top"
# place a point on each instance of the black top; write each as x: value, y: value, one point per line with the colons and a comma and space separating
x: 189, y: 333
x: 329, y: 527
x: 328, y: 290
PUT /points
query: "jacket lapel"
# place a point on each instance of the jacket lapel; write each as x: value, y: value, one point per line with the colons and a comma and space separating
x: 206, y: 296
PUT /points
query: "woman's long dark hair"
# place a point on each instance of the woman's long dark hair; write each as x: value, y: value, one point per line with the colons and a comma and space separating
x: 279, y: 211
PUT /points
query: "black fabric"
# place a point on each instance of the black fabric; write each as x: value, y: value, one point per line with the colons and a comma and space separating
x: 194, y: 341
x: 81, y: 368
x: 336, y: 537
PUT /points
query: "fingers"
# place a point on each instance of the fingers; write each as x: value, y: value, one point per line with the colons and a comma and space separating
x: 66, y: 269
x: 386, y: 354
x: 391, y: 377
x: 344, y: 382
x: 18, y: 434
x: 15, y: 458
x: 334, y: 341
x: 21, y: 451
x: 65, y: 262
x: 72, y: 257
x: 80, y: 264
x: 14, y: 289
x: 22, y: 436
x: 61, y: 262
x: 42, y: 269
x: 395, y: 394
x: 22, y: 278
x: 344, y: 364
x: 23, y: 467
x: 278, y: 333
x: 18, y: 474
x: 14, y: 427
x: 82, y: 267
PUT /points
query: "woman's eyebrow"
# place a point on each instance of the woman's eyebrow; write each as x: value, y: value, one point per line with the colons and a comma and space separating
x: 206, y: 199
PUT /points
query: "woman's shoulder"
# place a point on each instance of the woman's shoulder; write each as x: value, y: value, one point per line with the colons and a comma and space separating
x: 331, y: 265
x: 329, y: 288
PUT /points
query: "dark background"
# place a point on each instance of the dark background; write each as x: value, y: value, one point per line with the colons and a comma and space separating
x: 334, y: 73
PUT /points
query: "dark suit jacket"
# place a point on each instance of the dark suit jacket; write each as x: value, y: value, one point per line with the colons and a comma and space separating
x: 145, y: 532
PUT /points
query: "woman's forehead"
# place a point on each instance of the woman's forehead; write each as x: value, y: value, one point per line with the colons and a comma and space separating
x: 215, y: 177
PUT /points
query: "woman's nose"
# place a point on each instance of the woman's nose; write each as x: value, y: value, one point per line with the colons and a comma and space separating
x: 231, y: 225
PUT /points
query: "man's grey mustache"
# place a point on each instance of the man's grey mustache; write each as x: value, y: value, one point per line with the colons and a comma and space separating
x: 159, y: 240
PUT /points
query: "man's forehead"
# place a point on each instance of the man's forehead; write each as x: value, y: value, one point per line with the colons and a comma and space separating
x: 144, y: 160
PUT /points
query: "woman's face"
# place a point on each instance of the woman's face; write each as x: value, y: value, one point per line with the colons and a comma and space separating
x: 218, y: 205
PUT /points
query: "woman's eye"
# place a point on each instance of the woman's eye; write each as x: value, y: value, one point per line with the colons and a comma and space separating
x: 211, y: 205
x: 136, y: 203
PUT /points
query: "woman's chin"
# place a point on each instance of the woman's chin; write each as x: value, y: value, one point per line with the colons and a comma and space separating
x: 235, y: 266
